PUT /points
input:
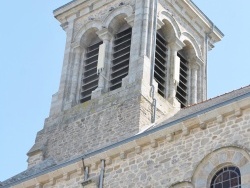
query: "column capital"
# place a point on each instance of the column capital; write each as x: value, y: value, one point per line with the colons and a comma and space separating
x: 195, y: 62
x: 159, y: 23
x: 104, y: 34
x: 130, y: 20
x: 176, y: 44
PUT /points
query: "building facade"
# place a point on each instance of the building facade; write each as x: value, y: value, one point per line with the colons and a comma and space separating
x: 131, y: 109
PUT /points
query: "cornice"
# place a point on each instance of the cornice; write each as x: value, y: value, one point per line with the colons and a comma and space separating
x: 213, y: 29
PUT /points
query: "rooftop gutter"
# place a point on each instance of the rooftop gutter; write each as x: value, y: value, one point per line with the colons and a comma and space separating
x: 133, y: 138
x: 212, y: 24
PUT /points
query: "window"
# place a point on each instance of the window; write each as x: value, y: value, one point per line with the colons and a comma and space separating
x: 228, y: 177
x: 89, y: 76
x: 160, y: 69
x: 182, y: 88
x: 121, y: 55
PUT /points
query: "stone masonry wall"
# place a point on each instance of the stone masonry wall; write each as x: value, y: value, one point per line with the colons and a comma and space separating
x: 94, y: 124
x: 173, y: 163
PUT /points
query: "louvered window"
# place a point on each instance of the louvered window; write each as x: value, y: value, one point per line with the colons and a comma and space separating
x: 182, y: 88
x: 89, y: 76
x: 120, y: 63
x: 160, y: 69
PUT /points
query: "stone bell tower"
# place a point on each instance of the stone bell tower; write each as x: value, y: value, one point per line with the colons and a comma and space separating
x: 127, y: 64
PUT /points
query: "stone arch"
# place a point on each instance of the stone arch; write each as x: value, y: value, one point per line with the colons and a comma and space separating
x: 116, y: 18
x: 167, y: 18
x: 92, y: 25
x: 218, y: 159
x: 188, y: 37
x: 182, y: 185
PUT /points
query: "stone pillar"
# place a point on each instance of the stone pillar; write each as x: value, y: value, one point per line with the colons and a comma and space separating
x: 198, y: 65
x: 139, y: 67
x: 174, y: 71
x: 142, y: 25
x: 77, y: 51
x: 59, y: 99
x: 132, y: 75
x: 194, y: 81
x: 106, y: 37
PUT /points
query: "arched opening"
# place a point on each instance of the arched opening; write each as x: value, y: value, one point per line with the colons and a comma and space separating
x: 227, y: 177
x: 183, y: 88
x: 121, y: 50
x: 89, y: 78
x: 161, y: 61
x: 163, y: 37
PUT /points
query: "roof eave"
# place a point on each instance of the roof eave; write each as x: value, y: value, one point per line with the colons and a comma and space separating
x: 214, y: 32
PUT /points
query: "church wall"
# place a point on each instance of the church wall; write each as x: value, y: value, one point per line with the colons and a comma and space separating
x: 187, y: 161
x: 176, y: 161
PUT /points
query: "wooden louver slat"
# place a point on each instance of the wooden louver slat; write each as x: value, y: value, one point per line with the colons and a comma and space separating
x: 182, y: 87
x: 121, y: 54
x: 89, y: 75
x: 160, y: 68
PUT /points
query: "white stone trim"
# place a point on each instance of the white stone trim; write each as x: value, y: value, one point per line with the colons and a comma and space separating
x: 218, y: 159
x: 188, y: 37
x: 127, y: 10
x: 97, y: 24
x: 165, y: 15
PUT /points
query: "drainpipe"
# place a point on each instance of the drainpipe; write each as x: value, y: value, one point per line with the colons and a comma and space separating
x: 102, y: 173
x: 154, y: 32
x: 86, y: 170
x: 86, y: 173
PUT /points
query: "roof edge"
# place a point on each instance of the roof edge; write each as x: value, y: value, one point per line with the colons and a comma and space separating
x: 206, y: 17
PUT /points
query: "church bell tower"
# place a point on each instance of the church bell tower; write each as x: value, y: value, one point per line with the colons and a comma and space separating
x: 128, y: 65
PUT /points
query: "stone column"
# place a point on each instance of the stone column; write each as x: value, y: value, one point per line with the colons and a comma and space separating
x: 194, y: 81
x: 77, y: 51
x: 197, y: 67
x: 105, y: 36
x: 174, y: 71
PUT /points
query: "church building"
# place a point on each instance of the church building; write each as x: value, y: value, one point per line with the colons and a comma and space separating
x: 131, y: 110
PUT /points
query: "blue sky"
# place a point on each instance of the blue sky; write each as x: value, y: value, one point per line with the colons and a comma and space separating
x: 31, y: 51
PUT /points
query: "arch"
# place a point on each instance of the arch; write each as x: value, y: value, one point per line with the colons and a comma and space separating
x: 218, y: 159
x: 118, y: 14
x: 185, y: 36
x: 182, y: 185
x: 167, y: 18
x: 188, y: 50
x: 92, y: 25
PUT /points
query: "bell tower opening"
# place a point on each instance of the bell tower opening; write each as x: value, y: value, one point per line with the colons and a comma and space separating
x: 121, y: 51
x: 89, y: 75
x: 161, y: 62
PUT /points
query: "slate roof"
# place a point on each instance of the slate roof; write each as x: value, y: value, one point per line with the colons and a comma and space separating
x: 186, y: 113
x: 208, y: 105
